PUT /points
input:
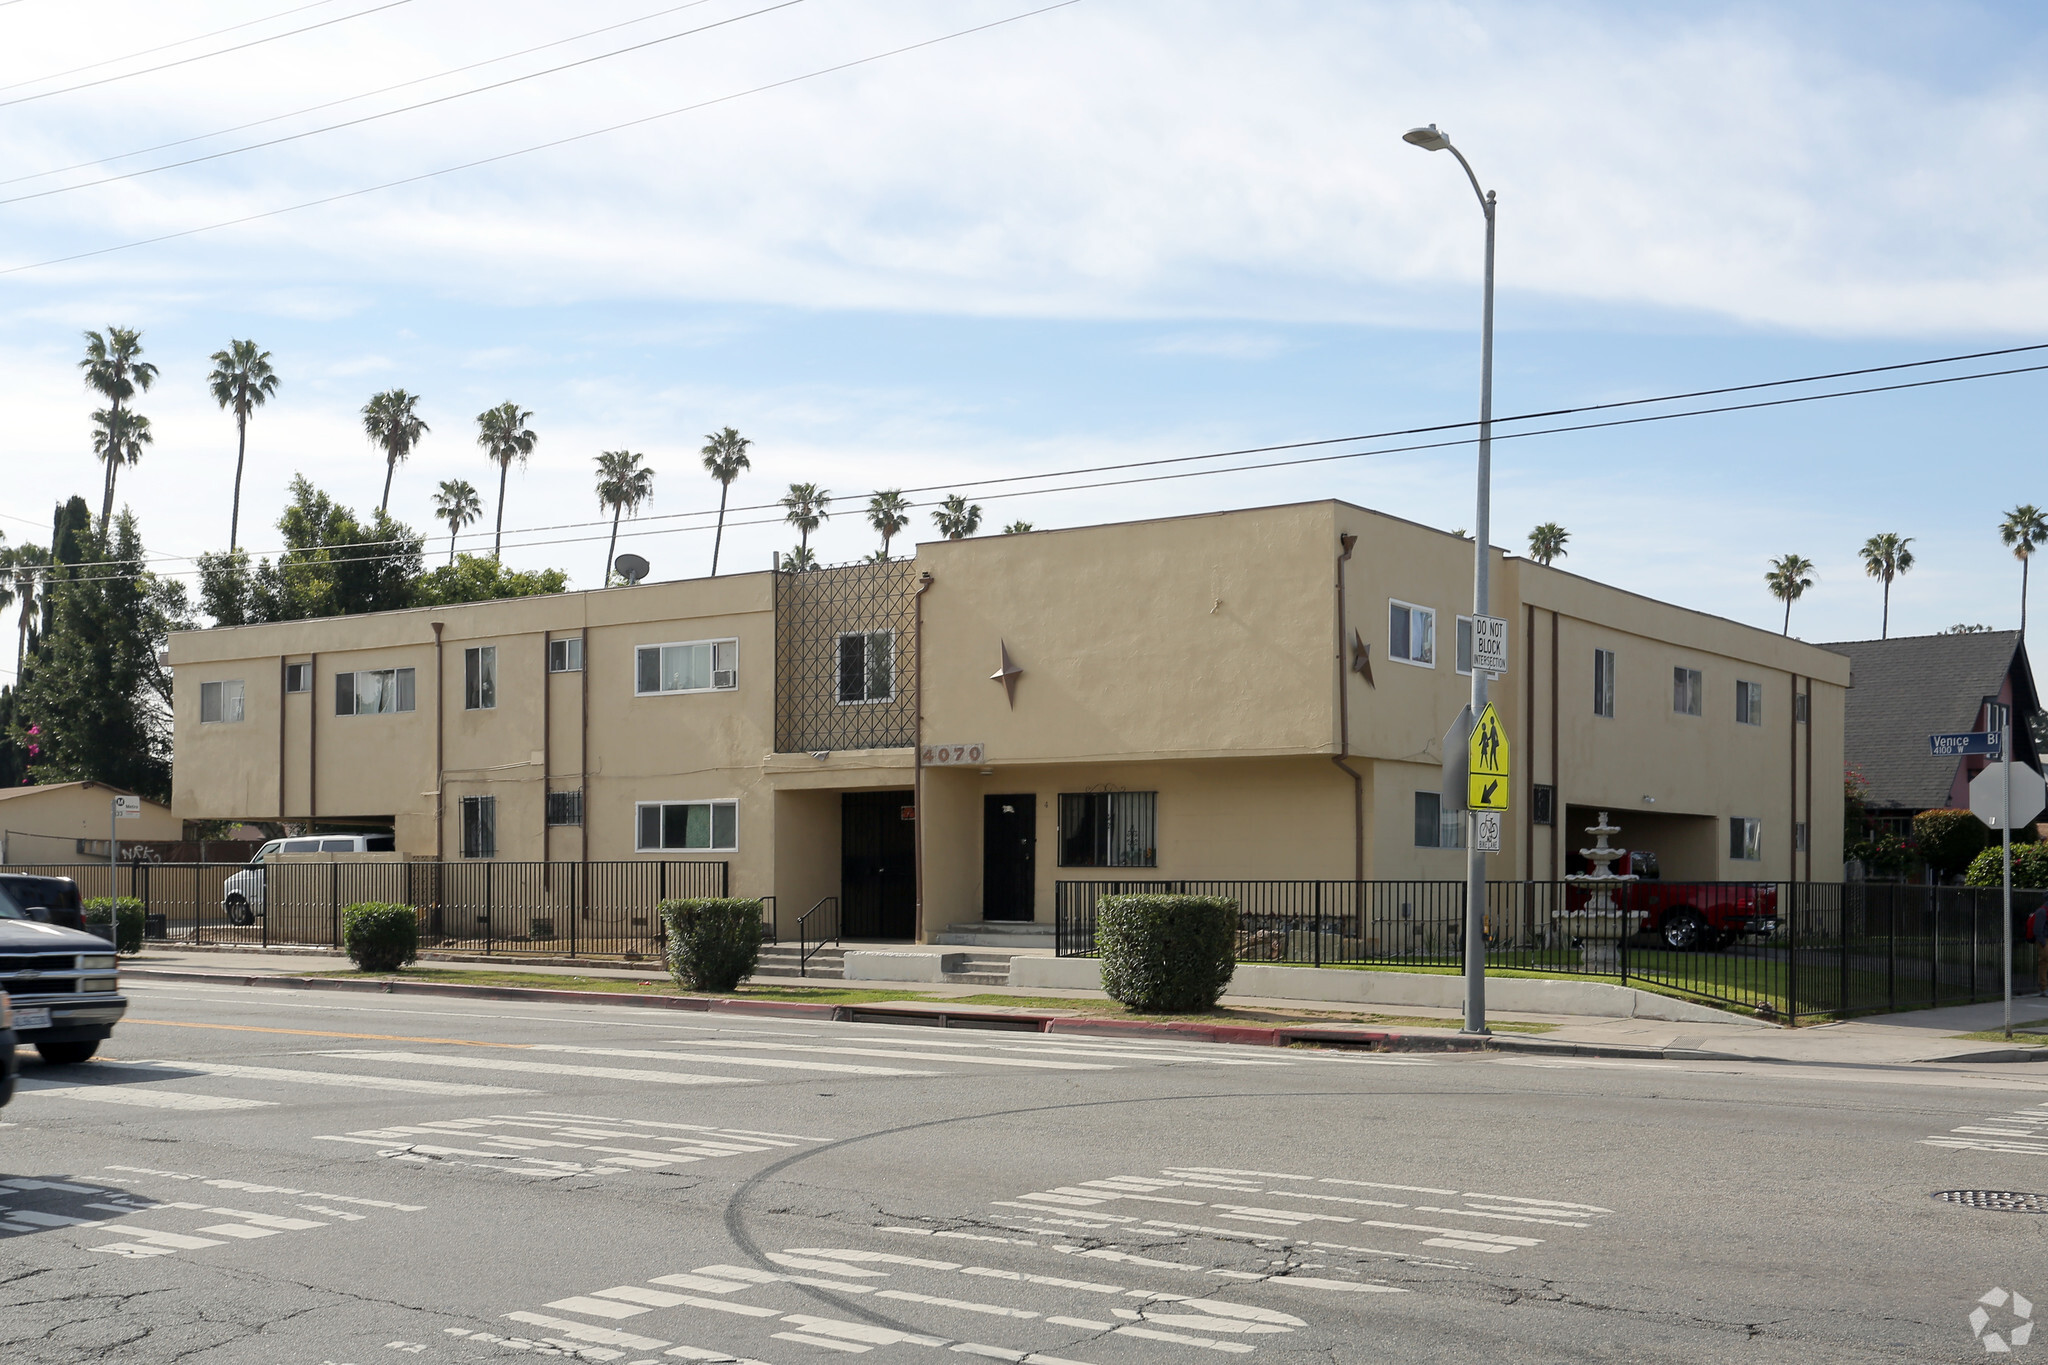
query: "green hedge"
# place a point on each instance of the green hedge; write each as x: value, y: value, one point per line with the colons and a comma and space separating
x: 1166, y: 954
x: 380, y: 937
x: 1949, y: 839
x: 712, y: 944
x: 128, y: 938
x: 2029, y: 866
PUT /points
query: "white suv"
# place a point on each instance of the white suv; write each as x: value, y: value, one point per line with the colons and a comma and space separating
x: 241, y: 896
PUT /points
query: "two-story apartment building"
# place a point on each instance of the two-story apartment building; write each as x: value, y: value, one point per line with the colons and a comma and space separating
x: 937, y: 740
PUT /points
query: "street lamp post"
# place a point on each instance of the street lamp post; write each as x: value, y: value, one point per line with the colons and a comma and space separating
x: 1430, y: 140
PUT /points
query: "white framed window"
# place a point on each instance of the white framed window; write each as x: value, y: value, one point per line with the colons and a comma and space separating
x: 867, y: 667
x: 1749, y: 703
x: 1686, y: 687
x: 1799, y: 705
x: 1436, y: 827
x: 1745, y: 839
x: 1109, y: 829
x: 1464, y: 660
x: 1603, y: 683
x: 298, y: 677
x: 220, y: 703
x: 565, y: 656
x: 1411, y: 634
x: 565, y: 808
x: 687, y: 666
x: 479, y: 826
x: 1799, y: 837
x: 480, y: 678
x: 692, y: 826
x: 373, y: 692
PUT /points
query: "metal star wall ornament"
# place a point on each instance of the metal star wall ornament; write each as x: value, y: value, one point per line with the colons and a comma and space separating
x: 1007, y: 675
x: 1361, y: 658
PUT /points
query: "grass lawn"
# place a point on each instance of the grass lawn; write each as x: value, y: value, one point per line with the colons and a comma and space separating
x: 2019, y: 1035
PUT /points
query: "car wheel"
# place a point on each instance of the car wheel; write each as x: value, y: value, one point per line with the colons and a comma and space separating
x: 238, y: 911
x: 1685, y: 930
x: 68, y: 1054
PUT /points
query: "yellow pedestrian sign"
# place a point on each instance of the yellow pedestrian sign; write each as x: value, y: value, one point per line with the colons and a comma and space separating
x: 1488, y: 757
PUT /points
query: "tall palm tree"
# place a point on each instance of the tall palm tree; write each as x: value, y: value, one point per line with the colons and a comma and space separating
x: 505, y: 437
x: 2023, y: 529
x: 394, y: 428
x: 1018, y: 528
x: 1788, y: 580
x: 118, y: 436
x: 26, y: 567
x: 241, y: 380
x: 456, y: 503
x: 114, y: 370
x: 1885, y: 556
x: 725, y: 455
x: 955, y: 518
x: 1546, y: 543
x: 805, y: 505
x: 623, y: 483
x: 799, y: 560
x: 889, y: 513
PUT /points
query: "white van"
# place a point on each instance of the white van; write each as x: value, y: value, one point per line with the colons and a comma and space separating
x: 241, y: 896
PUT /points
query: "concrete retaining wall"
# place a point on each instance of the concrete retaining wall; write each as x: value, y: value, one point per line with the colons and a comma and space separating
x: 863, y: 965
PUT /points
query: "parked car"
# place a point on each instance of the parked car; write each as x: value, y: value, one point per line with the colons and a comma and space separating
x: 241, y: 896
x: 1692, y: 916
x: 62, y: 984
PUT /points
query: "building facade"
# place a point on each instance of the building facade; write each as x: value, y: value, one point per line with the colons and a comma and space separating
x: 939, y: 740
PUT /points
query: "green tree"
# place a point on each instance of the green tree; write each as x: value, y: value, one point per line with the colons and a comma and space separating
x: 456, y: 503
x: 392, y: 425
x: 2024, y: 530
x: 1789, y: 578
x: 332, y: 565
x: 799, y: 560
x: 1948, y: 839
x: 1546, y: 543
x: 1885, y: 556
x: 479, y: 578
x: 115, y: 370
x: 888, y: 513
x: 241, y: 382
x: 505, y: 437
x: 956, y: 518
x: 623, y: 483
x: 805, y: 506
x: 26, y: 565
x: 725, y: 455
x: 118, y: 436
x: 1017, y: 528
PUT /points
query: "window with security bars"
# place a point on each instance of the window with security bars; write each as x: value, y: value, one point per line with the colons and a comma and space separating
x: 867, y: 667
x: 846, y: 658
x: 1109, y: 829
x: 565, y: 808
x: 479, y: 826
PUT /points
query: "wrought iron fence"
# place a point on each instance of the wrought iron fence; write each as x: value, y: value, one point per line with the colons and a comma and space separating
x: 1788, y: 950
x: 599, y: 909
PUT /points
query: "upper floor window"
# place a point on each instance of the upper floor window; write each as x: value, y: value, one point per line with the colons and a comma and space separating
x: 1749, y: 703
x: 479, y: 826
x: 565, y: 656
x: 373, y: 691
x: 1799, y: 705
x: 1109, y: 829
x: 1686, y: 687
x: 867, y: 666
x: 698, y: 826
x: 220, y: 702
x: 693, y: 666
x: 298, y: 677
x: 1745, y: 839
x: 1603, y: 683
x: 1411, y: 634
x: 480, y: 678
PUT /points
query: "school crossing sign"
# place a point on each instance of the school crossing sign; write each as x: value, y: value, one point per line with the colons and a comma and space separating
x: 1487, y: 754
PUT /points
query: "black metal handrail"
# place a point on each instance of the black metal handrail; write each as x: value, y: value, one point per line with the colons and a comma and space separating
x: 767, y: 918
x: 826, y: 930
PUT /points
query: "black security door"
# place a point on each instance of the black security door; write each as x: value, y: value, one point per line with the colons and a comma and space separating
x: 877, y: 865
x: 1009, y: 835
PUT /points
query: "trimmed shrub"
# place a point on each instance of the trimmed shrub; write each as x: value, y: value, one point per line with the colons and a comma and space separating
x: 1949, y: 839
x: 1166, y: 954
x: 712, y: 944
x: 2029, y: 866
x: 380, y: 937
x: 100, y: 911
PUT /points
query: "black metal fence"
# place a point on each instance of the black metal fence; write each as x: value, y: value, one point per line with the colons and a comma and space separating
x: 1787, y: 950
x: 556, y: 909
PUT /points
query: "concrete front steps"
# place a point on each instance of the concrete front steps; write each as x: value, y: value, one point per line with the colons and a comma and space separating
x: 924, y: 965
x: 783, y: 959
x: 990, y: 933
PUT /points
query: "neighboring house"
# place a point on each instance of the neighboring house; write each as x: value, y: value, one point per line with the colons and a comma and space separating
x: 1257, y: 694
x: 1905, y: 689
x: 67, y: 822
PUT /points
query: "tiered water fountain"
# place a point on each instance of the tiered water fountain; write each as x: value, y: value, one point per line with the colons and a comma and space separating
x: 1599, y: 924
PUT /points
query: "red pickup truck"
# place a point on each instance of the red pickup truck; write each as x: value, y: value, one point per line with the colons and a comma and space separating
x: 1692, y: 916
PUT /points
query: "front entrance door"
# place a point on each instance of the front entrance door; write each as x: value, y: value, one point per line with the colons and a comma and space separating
x: 1009, y: 838
x: 877, y: 865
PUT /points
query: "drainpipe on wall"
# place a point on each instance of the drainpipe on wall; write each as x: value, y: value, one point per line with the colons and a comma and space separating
x: 1344, y: 724
x: 924, y: 582
x: 440, y: 804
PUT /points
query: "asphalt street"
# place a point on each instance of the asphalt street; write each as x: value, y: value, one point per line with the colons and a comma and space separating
x: 257, y: 1175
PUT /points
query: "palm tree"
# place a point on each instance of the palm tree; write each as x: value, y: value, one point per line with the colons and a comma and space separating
x: 119, y: 434
x: 113, y: 371
x: 26, y: 567
x: 241, y: 380
x: 725, y: 455
x: 1546, y: 543
x: 955, y: 518
x: 1886, y: 556
x: 889, y: 513
x: 1788, y: 580
x: 2023, y: 529
x: 457, y: 504
x: 393, y: 427
x: 623, y: 483
x: 1017, y: 528
x: 505, y: 437
x: 805, y: 505
x: 799, y: 560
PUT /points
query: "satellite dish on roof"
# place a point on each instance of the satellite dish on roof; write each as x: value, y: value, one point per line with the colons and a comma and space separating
x: 632, y: 568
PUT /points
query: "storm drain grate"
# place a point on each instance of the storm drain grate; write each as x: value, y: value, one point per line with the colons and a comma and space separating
x: 1999, y: 1201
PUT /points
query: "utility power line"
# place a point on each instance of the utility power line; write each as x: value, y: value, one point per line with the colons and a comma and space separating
x: 164, y: 47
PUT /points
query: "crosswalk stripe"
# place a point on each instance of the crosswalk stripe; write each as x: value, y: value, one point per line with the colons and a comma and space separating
x: 895, y: 1053
x: 146, y: 1097
x: 614, y: 1073
x: 840, y: 1068
x: 344, y: 1080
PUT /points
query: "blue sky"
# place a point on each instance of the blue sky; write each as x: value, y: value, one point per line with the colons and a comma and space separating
x: 1121, y: 230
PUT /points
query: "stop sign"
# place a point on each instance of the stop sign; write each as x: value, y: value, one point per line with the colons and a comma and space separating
x: 1987, y: 795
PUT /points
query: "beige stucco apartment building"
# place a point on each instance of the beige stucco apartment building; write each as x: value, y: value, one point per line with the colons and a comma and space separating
x: 1257, y: 694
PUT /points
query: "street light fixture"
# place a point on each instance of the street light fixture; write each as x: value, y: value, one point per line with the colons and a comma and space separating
x: 1431, y: 140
